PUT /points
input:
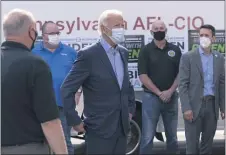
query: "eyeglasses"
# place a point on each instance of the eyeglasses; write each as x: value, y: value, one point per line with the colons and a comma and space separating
x: 52, y: 33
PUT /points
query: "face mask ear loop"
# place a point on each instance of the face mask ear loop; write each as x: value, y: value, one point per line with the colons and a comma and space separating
x: 167, y: 37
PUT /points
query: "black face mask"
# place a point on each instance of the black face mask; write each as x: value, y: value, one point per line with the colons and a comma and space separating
x: 33, y: 43
x: 160, y: 35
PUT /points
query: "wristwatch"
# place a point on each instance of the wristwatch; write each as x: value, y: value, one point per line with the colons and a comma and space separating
x: 79, y: 90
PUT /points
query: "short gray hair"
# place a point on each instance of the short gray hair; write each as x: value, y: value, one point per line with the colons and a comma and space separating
x: 17, y: 22
x: 103, y: 18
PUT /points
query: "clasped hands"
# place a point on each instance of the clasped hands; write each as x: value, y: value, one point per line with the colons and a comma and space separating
x: 165, y: 95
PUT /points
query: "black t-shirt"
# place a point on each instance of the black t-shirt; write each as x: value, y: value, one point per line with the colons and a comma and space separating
x: 27, y: 95
x: 161, y: 65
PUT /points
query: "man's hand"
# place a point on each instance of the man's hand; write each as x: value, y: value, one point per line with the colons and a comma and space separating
x: 79, y: 128
x: 130, y: 116
x: 165, y: 96
x: 188, y: 115
x: 77, y: 97
x: 222, y: 115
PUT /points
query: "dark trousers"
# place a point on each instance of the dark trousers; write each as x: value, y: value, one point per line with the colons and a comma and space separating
x: 206, y: 123
x: 32, y: 148
x: 115, y: 144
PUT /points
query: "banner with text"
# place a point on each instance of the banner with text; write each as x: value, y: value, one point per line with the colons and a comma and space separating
x: 134, y: 43
x: 176, y: 40
x: 79, y: 42
x: 218, y: 45
x: 134, y: 77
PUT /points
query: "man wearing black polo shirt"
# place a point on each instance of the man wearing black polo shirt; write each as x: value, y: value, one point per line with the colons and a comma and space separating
x: 158, y: 67
x: 29, y: 111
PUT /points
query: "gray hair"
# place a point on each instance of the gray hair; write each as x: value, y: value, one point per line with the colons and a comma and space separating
x: 103, y: 18
x: 17, y: 22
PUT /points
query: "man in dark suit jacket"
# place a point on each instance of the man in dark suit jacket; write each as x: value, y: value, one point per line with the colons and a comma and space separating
x: 109, y: 102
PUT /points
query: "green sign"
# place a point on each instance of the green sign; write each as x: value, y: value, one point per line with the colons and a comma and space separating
x: 218, y: 45
x: 134, y: 43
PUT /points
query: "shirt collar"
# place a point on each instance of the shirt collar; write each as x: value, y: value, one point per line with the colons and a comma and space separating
x: 105, y: 44
x: 41, y: 46
x: 155, y: 46
x: 201, y: 51
x: 13, y: 44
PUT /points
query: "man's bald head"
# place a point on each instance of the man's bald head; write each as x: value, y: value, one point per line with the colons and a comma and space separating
x: 158, y: 30
x: 158, y: 25
x: 18, y: 22
x: 19, y: 26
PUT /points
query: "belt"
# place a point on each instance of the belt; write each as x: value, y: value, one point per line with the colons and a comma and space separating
x: 208, y: 97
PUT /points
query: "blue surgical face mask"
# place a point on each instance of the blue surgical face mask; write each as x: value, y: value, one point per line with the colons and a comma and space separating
x: 117, y: 35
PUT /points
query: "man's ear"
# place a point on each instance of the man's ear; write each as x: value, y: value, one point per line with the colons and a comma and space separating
x: 31, y: 28
x: 151, y: 32
x: 105, y: 30
x: 214, y: 39
x: 166, y: 30
x: 102, y: 28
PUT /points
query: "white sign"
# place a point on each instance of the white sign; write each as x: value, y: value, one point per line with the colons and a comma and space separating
x: 79, y: 42
x: 134, y: 77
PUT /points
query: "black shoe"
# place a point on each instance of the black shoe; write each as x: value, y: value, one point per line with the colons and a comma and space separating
x: 159, y: 136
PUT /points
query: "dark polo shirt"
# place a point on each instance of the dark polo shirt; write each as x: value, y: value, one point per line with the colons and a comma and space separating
x: 27, y: 97
x: 161, y: 65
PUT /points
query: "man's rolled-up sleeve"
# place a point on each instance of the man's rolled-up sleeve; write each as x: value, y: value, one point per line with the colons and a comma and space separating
x: 74, y: 80
x: 184, y: 77
x: 43, y: 97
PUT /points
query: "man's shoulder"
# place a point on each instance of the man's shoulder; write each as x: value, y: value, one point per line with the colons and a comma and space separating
x: 90, y: 50
x: 92, y: 46
x: 149, y: 46
x: 189, y: 55
x: 68, y: 48
x: 36, y: 60
x: 218, y: 54
x: 174, y: 47
x: 191, y: 52
x: 32, y: 63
